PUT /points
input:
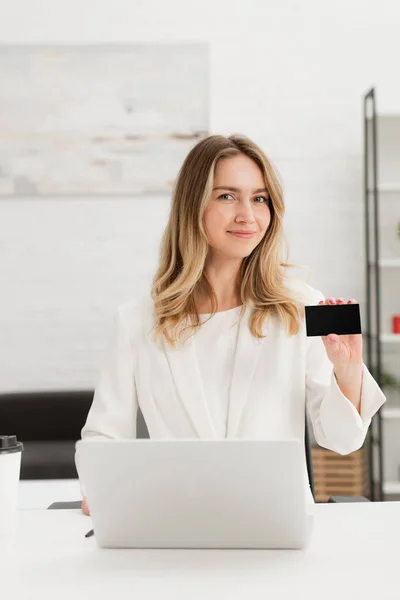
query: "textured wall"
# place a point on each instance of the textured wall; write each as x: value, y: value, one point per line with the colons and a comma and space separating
x: 289, y: 75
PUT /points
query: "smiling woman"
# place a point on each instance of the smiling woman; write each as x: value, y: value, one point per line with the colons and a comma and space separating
x: 224, y: 242
x: 245, y: 367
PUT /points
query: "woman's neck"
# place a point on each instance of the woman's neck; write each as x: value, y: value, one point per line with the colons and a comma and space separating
x: 224, y: 301
x: 223, y: 278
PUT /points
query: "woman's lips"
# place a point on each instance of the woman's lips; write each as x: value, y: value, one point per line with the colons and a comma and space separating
x: 242, y: 235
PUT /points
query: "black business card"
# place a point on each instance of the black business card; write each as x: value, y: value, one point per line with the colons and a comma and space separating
x: 342, y: 319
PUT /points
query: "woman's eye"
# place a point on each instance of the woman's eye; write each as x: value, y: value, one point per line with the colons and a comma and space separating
x: 228, y: 196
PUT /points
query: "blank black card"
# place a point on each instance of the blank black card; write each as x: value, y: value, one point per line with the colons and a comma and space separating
x: 342, y: 319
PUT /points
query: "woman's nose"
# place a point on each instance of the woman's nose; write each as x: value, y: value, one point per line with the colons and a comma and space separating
x: 245, y: 211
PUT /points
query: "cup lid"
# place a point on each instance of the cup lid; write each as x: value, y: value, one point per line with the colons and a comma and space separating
x: 9, y: 443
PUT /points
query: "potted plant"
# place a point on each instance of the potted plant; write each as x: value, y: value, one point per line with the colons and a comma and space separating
x: 389, y: 382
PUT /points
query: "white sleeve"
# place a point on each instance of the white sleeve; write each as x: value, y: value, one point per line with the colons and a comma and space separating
x: 114, y: 408
x: 337, y: 425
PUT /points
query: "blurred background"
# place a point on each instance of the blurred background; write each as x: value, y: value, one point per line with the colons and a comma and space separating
x: 100, y: 102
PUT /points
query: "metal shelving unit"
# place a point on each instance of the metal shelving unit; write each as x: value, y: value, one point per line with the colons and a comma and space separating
x: 377, y: 187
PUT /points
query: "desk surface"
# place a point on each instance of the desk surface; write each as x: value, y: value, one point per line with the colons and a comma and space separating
x: 40, y: 493
x: 354, y: 552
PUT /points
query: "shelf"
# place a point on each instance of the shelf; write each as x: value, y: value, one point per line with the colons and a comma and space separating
x: 388, y: 413
x: 387, y: 263
x: 386, y: 338
x: 386, y: 114
x: 391, y: 487
x: 381, y: 156
x: 390, y: 338
x: 387, y: 188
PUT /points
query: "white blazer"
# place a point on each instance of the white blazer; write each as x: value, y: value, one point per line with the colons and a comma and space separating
x: 274, y: 381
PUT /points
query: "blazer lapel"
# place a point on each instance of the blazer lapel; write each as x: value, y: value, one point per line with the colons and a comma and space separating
x: 186, y: 374
x: 189, y: 385
x: 246, y: 358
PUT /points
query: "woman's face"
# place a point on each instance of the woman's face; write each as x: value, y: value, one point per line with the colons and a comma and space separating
x: 239, y: 202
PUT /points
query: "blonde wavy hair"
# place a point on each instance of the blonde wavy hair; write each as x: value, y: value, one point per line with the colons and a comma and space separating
x: 184, y: 247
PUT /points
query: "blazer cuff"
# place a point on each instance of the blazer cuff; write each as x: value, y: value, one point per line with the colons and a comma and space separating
x: 340, y: 418
x: 372, y: 398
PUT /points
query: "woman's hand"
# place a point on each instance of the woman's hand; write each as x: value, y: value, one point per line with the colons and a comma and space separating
x: 85, y: 506
x: 344, y: 351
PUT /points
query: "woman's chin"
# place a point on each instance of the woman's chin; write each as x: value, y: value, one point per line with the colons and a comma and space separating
x: 239, y: 255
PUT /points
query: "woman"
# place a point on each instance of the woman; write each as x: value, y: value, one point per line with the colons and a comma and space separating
x: 219, y: 348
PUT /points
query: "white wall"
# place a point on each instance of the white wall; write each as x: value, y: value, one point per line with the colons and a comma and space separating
x: 290, y: 75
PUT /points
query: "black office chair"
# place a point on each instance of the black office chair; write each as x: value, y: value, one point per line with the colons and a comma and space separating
x: 48, y: 423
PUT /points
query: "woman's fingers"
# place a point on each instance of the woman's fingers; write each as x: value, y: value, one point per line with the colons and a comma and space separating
x: 85, y: 506
x: 332, y: 301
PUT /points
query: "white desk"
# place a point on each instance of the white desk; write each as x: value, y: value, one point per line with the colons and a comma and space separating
x: 354, y: 553
x: 40, y: 493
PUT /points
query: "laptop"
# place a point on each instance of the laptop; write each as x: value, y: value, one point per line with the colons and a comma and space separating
x: 190, y: 493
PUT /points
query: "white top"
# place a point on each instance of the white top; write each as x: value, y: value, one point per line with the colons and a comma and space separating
x: 217, y: 338
x: 353, y: 553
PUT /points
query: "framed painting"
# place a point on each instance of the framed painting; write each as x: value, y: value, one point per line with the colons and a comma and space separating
x: 106, y: 120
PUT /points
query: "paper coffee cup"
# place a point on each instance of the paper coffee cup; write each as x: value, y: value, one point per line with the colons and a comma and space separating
x: 10, y: 465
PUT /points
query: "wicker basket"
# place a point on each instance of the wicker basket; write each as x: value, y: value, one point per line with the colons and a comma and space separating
x: 337, y: 475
